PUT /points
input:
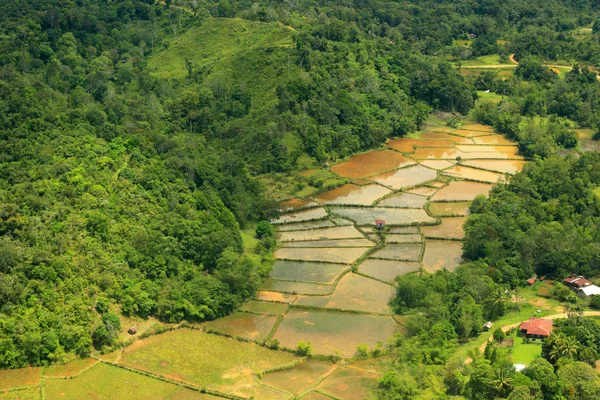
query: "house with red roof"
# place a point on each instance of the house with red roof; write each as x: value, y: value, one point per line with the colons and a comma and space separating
x: 536, y: 329
x: 577, y: 281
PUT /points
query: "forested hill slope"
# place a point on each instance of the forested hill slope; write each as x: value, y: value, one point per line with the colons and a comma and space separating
x: 131, y: 133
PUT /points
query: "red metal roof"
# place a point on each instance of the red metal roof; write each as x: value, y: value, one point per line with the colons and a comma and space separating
x: 578, y: 281
x: 537, y: 326
x: 380, y: 221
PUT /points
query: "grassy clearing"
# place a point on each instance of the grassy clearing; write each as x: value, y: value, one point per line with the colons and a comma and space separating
x: 488, y: 96
x: 69, y: 369
x: 525, y: 353
x: 201, y: 358
x: 187, y: 394
x: 492, y: 59
x: 107, y: 382
x: 15, y: 378
x: 32, y: 393
x: 249, y: 239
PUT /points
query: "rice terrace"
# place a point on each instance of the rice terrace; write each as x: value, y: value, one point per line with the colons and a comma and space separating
x: 328, y: 292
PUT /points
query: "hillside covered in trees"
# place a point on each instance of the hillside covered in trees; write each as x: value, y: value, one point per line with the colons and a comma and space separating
x: 132, y: 134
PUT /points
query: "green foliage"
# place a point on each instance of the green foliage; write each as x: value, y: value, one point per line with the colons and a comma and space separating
x: 544, y: 221
x: 304, y: 349
x: 264, y: 229
x: 595, y: 302
x: 499, y: 335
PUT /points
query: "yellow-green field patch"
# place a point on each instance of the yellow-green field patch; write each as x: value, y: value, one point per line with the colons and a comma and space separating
x: 331, y: 331
x: 31, y: 393
x: 265, y: 295
x: 245, y: 325
x: 354, y: 292
x: 202, y: 359
x: 460, y: 208
x: 265, y: 307
x: 69, y: 369
x: 104, y: 381
x: 187, y: 394
x: 387, y: 270
x: 15, y: 378
x: 300, y: 378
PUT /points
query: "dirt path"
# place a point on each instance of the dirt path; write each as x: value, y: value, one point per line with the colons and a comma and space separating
x: 512, y: 59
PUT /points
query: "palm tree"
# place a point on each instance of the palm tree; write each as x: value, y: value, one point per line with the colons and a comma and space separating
x: 569, y: 348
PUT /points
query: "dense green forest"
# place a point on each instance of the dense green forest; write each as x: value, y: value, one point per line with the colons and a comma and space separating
x: 129, y: 152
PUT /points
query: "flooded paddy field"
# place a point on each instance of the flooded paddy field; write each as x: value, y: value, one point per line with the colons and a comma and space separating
x: 371, y: 163
x: 331, y: 243
x: 501, y: 166
x: 405, y: 177
x: 450, y: 228
x: 459, y: 171
x: 327, y: 254
x: 273, y: 285
x: 441, y: 254
x: 356, y: 293
x: 337, y: 232
x: 392, y: 216
x: 296, y: 204
x: 301, y: 216
x: 334, y: 331
x: 312, y: 272
x: 400, y: 252
x: 351, y: 194
x: 306, y: 225
x: 462, y: 191
x: 403, y: 200
x: 387, y: 270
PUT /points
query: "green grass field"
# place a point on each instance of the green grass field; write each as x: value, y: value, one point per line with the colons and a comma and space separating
x: 488, y: 97
x: 32, y: 393
x: 202, y: 359
x: 107, y: 382
x: 69, y: 369
x: 525, y: 353
x: 16, y: 378
x: 492, y: 59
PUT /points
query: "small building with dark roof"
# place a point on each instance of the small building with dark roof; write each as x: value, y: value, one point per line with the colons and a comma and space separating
x: 379, y: 224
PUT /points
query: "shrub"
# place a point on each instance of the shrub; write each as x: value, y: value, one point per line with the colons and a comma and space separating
x: 595, y: 302
x: 304, y: 349
x: 264, y: 229
x: 499, y: 335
